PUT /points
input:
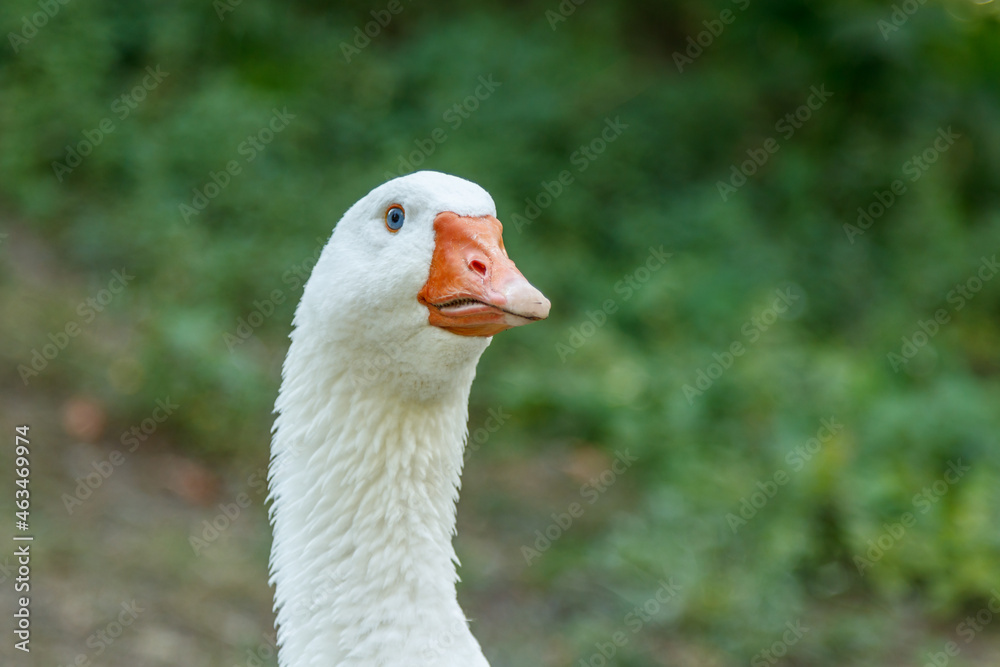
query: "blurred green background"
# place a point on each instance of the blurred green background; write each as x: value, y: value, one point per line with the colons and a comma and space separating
x: 756, y: 527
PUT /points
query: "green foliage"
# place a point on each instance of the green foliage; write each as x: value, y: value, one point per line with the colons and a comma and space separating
x: 857, y: 293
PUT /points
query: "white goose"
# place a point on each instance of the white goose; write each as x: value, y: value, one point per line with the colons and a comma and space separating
x: 371, y: 426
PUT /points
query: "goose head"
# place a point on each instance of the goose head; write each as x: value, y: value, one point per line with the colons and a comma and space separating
x: 414, y: 282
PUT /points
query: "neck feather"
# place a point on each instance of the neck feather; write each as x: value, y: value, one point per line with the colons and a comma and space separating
x: 363, y: 489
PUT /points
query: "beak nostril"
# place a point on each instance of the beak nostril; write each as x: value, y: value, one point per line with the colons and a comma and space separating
x: 478, y: 266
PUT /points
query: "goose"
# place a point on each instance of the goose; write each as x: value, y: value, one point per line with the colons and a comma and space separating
x: 371, y: 422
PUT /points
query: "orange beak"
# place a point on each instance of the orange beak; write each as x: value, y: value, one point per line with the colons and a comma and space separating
x: 473, y: 288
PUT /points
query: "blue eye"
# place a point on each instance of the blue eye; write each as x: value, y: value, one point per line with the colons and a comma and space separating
x: 394, y: 218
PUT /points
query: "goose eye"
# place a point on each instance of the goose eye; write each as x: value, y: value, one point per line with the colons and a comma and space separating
x: 394, y: 217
